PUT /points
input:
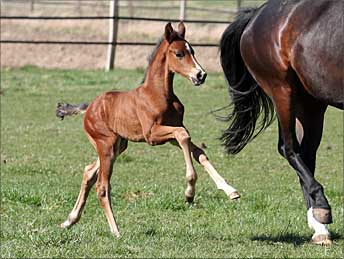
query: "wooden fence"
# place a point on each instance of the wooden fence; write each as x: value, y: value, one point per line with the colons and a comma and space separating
x: 113, y: 18
x: 128, y: 4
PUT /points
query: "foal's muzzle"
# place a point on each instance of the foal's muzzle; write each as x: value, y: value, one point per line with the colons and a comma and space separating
x: 199, y: 78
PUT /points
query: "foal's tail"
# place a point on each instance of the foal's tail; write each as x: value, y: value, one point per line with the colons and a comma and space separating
x: 248, y: 99
x: 66, y: 109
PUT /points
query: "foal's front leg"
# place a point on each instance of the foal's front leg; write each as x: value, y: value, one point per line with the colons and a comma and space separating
x: 221, y: 183
x: 160, y: 134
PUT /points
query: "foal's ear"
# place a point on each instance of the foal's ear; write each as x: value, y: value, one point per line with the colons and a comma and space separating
x: 181, y: 29
x: 168, y: 32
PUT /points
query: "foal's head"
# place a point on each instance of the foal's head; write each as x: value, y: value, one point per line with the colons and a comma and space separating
x: 180, y: 55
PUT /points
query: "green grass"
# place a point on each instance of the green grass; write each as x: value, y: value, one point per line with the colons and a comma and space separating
x: 42, y: 161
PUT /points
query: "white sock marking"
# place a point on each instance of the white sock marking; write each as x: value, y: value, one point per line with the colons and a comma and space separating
x: 320, y: 229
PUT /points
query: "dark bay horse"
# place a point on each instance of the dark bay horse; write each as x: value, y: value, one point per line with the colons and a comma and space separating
x: 287, y: 57
x: 150, y: 113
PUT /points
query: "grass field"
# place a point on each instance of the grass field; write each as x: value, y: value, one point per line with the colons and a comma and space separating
x: 42, y: 160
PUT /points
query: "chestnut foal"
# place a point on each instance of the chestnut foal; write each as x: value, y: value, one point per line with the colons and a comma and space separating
x: 150, y: 113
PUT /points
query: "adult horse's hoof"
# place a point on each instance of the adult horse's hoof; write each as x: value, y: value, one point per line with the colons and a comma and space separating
x: 323, y: 216
x: 234, y: 195
x: 322, y: 239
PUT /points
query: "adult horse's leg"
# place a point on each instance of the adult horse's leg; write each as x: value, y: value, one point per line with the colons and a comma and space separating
x: 312, y: 130
x: 283, y: 100
x: 89, y: 178
x: 221, y: 183
x: 161, y: 134
x: 108, y: 150
x: 310, y: 113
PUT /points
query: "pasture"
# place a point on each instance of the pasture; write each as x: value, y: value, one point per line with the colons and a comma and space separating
x: 42, y: 160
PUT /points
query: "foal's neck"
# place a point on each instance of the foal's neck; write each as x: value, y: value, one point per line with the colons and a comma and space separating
x: 159, y: 77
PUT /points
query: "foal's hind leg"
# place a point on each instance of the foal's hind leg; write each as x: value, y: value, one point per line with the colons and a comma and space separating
x: 221, y: 183
x: 89, y: 178
x: 107, y: 154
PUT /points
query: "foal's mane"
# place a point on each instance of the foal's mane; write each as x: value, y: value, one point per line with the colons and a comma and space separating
x: 174, y: 36
x: 151, y: 56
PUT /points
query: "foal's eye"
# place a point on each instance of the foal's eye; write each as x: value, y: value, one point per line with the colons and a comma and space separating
x: 179, y: 54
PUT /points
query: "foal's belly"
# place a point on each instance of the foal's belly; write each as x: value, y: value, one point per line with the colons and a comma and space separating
x: 128, y: 128
x: 131, y: 118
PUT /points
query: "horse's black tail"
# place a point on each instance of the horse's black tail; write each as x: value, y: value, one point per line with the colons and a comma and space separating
x: 248, y: 99
x: 66, y: 109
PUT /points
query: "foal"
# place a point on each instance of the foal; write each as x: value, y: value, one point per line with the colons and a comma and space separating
x: 151, y: 113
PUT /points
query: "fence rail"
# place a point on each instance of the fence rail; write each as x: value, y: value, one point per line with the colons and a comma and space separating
x: 119, y: 43
x: 104, y: 4
x: 103, y: 18
x: 107, y: 18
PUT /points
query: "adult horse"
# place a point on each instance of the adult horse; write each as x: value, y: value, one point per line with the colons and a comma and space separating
x: 287, y: 56
x: 150, y: 113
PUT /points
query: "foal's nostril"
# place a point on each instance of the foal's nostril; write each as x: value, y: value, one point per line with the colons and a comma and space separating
x: 199, y: 75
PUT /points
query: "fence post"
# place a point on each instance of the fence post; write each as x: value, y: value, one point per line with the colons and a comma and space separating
x: 131, y: 8
x: 32, y: 2
x: 78, y: 7
x: 113, y: 26
x: 182, y: 15
x: 238, y: 5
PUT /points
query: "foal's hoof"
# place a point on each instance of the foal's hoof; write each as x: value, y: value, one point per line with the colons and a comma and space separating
x: 66, y: 224
x: 189, y: 199
x: 117, y: 235
x: 234, y: 195
x: 324, y: 216
x: 323, y: 239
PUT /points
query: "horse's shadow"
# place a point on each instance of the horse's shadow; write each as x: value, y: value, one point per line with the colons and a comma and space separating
x: 291, y: 238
